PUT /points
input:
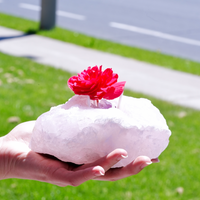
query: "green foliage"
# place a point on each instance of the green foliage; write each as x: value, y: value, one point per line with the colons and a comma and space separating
x: 90, y: 42
x: 28, y: 89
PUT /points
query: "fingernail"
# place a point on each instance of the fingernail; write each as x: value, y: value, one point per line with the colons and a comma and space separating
x: 102, y: 173
x: 145, y: 164
x: 99, y: 173
x: 122, y: 157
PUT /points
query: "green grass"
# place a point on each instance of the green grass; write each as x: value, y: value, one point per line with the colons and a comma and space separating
x: 102, y: 45
x: 28, y: 89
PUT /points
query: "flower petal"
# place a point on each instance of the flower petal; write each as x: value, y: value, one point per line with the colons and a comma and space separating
x: 114, y: 91
x: 96, y: 84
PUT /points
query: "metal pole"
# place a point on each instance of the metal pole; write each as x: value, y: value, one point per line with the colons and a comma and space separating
x: 48, y: 14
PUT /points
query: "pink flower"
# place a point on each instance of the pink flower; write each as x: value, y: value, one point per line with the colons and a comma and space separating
x: 97, y: 84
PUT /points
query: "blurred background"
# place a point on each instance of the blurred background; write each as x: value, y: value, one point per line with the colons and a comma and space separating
x: 170, y: 27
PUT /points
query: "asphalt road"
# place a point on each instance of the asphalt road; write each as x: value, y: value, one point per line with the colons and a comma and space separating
x: 171, y: 27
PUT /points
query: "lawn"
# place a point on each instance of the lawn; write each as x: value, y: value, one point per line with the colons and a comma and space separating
x: 28, y: 89
x: 157, y: 58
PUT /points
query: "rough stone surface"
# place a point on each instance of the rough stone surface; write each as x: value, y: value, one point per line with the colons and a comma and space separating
x: 80, y: 132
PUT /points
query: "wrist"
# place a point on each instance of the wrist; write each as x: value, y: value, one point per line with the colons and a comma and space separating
x: 2, y: 159
x: 7, y: 157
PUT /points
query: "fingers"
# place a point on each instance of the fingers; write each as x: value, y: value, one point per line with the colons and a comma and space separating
x: 100, y: 170
x: 112, y: 158
x: 62, y: 177
x: 133, y: 168
x: 108, y: 161
x: 89, y: 171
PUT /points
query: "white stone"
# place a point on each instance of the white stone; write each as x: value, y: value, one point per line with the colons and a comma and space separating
x: 79, y: 132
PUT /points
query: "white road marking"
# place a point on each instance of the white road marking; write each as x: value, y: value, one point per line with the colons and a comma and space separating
x: 154, y: 33
x: 70, y: 15
x: 58, y: 12
x: 30, y: 6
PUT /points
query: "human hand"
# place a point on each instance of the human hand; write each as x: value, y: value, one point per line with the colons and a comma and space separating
x: 17, y: 160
